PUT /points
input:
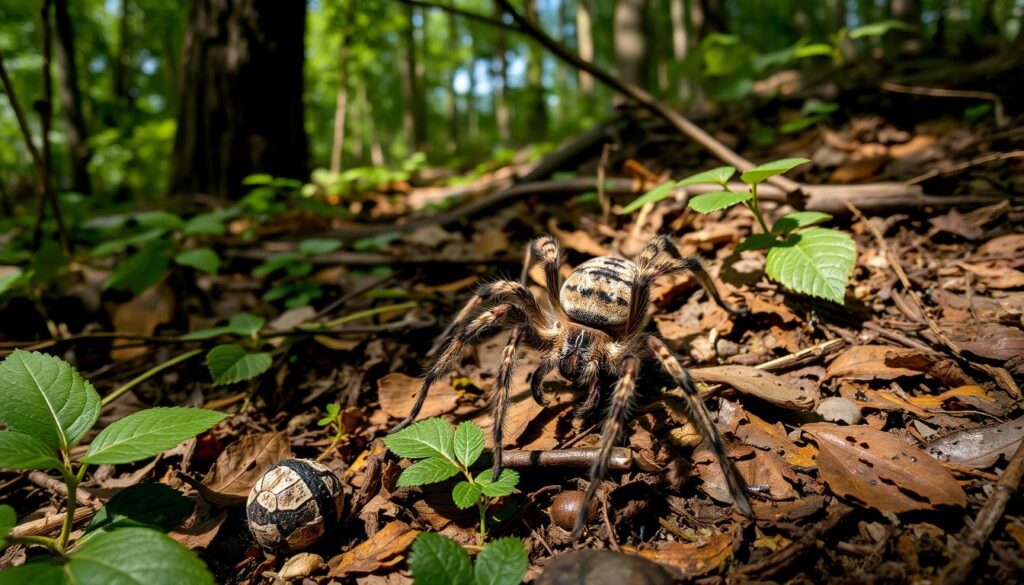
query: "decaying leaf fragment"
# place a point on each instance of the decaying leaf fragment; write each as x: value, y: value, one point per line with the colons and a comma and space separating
x: 764, y: 385
x: 384, y: 549
x: 237, y: 468
x: 692, y: 559
x: 980, y: 447
x: 881, y: 470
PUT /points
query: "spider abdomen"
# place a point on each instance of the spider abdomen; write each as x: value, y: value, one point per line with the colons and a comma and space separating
x: 597, y: 292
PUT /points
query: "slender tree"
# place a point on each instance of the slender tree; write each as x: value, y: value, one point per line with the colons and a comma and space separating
x: 414, y: 115
x: 70, y: 97
x: 241, y: 95
x: 585, y: 40
x: 537, y: 107
x: 630, y: 41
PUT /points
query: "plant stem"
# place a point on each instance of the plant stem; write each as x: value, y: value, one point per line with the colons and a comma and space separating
x: 359, y: 315
x: 72, y: 481
x: 338, y: 436
x: 148, y: 374
x: 481, y: 505
x: 44, y: 541
x: 756, y: 208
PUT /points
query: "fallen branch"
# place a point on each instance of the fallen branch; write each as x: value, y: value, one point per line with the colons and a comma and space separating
x: 960, y: 167
x: 621, y: 459
x: 984, y: 524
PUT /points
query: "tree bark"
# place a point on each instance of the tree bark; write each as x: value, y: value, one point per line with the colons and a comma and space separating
x: 680, y: 41
x: 413, y: 116
x: 341, y: 98
x: 537, y: 106
x: 241, y: 95
x: 630, y: 41
x: 70, y: 97
x: 122, y: 97
x: 585, y: 40
x: 502, y: 117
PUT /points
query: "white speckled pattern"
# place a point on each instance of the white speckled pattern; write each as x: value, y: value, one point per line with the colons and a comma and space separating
x: 597, y: 292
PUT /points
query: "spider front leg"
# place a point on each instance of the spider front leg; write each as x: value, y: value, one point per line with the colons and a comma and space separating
x: 537, y: 381
x: 701, y: 418
x: 502, y: 390
x: 618, y: 415
x: 452, y: 352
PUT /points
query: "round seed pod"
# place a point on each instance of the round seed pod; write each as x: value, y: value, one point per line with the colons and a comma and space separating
x: 293, y: 504
x: 566, y: 507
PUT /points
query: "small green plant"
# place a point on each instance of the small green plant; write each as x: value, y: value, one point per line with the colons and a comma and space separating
x: 443, y: 452
x: 438, y: 560
x: 47, y: 408
x: 811, y: 260
x: 334, y: 420
x: 291, y: 269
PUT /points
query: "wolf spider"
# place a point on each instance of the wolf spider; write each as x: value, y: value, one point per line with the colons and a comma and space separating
x: 595, y: 336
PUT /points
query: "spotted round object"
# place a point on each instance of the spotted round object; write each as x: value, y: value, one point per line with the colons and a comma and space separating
x: 293, y: 504
x: 597, y: 293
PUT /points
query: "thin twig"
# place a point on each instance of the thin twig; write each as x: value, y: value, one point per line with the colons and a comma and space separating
x: 1000, y: 113
x: 960, y: 167
x: 149, y: 374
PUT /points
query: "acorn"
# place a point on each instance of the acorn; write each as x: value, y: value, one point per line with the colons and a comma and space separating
x: 293, y: 504
x: 566, y: 506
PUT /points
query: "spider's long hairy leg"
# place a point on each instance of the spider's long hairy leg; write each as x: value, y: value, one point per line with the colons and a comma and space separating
x: 701, y: 418
x: 500, y: 399
x: 487, y: 295
x: 549, y: 254
x: 692, y: 265
x: 618, y: 415
x: 537, y: 381
x: 452, y: 352
x: 593, y: 401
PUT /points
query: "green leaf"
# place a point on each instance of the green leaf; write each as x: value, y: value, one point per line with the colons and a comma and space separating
x: 205, y: 224
x: 505, y: 485
x: 145, y: 433
x: 468, y: 443
x: 141, y: 270
x: 39, y: 570
x: 275, y: 263
x: 709, y: 202
x: 158, y: 220
x: 770, y: 169
x: 147, y: 505
x: 717, y: 175
x: 314, y: 247
x: 798, y: 219
x: 21, y: 451
x: 813, y: 50
x: 877, y: 29
x: 465, y: 494
x: 231, y: 363
x: 438, y: 560
x: 656, y: 194
x: 502, y: 562
x: 8, y: 519
x: 428, y: 438
x: 430, y: 470
x: 10, y: 280
x: 203, y: 259
x: 241, y: 324
x: 45, y: 397
x: 817, y: 262
x: 332, y: 413
x: 758, y: 241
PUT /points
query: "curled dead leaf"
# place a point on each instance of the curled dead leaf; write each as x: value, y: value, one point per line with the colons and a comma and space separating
x: 240, y: 465
x: 397, y: 394
x: 764, y: 385
x: 869, y: 362
x: 692, y: 559
x: 386, y: 548
x: 981, y: 447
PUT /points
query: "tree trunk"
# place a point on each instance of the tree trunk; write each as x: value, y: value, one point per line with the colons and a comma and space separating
x: 412, y: 117
x: 341, y: 98
x: 680, y: 41
x: 630, y: 41
x: 453, y: 96
x: 501, y: 113
x: 585, y: 40
x: 537, y: 108
x: 71, y: 99
x: 123, y: 101
x: 241, y: 95
x: 376, y: 151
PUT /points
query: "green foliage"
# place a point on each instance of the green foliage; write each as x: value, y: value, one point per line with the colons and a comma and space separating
x: 708, y: 202
x: 48, y: 408
x: 445, y: 452
x: 142, y: 269
x: 203, y: 259
x: 764, y: 172
x: 240, y: 324
x: 817, y: 262
x: 231, y: 363
x: 439, y: 560
x: 333, y: 410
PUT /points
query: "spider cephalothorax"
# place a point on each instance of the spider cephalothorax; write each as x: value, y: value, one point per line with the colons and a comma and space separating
x: 594, y: 333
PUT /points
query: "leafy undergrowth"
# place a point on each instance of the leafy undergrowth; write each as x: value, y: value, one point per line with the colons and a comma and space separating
x: 869, y: 433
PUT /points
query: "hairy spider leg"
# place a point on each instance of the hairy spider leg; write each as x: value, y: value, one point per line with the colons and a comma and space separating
x: 537, y: 381
x: 615, y: 422
x: 500, y: 397
x: 701, y: 418
x: 549, y: 254
x: 490, y: 294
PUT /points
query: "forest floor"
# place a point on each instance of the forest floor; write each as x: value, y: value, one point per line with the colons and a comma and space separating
x: 928, y: 350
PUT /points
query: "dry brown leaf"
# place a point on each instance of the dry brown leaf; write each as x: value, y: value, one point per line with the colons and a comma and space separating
x: 692, y: 559
x: 993, y: 275
x: 240, y: 465
x: 1008, y: 245
x: 300, y: 566
x: 865, y: 397
x: 764, y: 385
x: 197, y: 533
x: 857, y: 170
x: 765, y: 470
x: 958, y: 392
x: 384, y: 549
x: 578, y: 240
x: 757, y: 432
x: 990, y: 340
x: 141, y: 316
x: 868, y: 362
x: 397, y: 394
x: 980, y: 447
x: 882, y: 471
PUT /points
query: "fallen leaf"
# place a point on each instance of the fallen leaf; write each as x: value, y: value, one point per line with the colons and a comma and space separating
x: 764, y: 385
x: 916, y: 145
x: 578, y: 240
x: 397, y: 394
x: 764, y: 471
x: 241, y: 464
x: 384, y: 549
x: 979, y: 447
x: 141, y: 316
x: 692, y: 559
x: 938, y: 400
x: 990, y: 340
x: 993, y: 275
x: 868, y: 362
x: 880, y: 470
x: 1008, y: 245
x: 757, y: 432
x: 300, y: 566
x: 857, y: 170
x: 197, y: 532
x: 865, y: 397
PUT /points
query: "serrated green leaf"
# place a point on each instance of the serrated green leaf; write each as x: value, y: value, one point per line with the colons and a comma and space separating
x: 429, y: 470
x: 203, y: 259
x: 432, y: 437
x: 147, y: 505
x: 469, y: 443
x: 438, y: 560
x: 232, y: 363
x: 817, y: 262
x: 142, y: 434
x: 758, y: 241
x: 8, y: 519
x: 465, y: 494
x: 141, y: 270
x: 798, y: 219
x: 45, y: 397
x: 501, y: 562
x: 709, y: 202
x: 21, y: 451
x: 770, y: 169
x: 39, y: 570
x: 314, y: 247
x: 662, y: 191
x: 505, y: 485
x: 715, y: 176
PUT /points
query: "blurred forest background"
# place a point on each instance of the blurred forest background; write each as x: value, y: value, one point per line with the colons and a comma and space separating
x: 151, y: 98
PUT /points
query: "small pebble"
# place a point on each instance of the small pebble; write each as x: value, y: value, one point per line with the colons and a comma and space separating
x: 839, y: 409
x: 566, y: 506
x: 300, y: 566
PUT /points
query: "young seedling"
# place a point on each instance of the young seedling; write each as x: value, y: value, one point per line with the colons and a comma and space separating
x: 444, y: 452
x: 47, y: 408
x: 333, y: 420
x: 811, y: 260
